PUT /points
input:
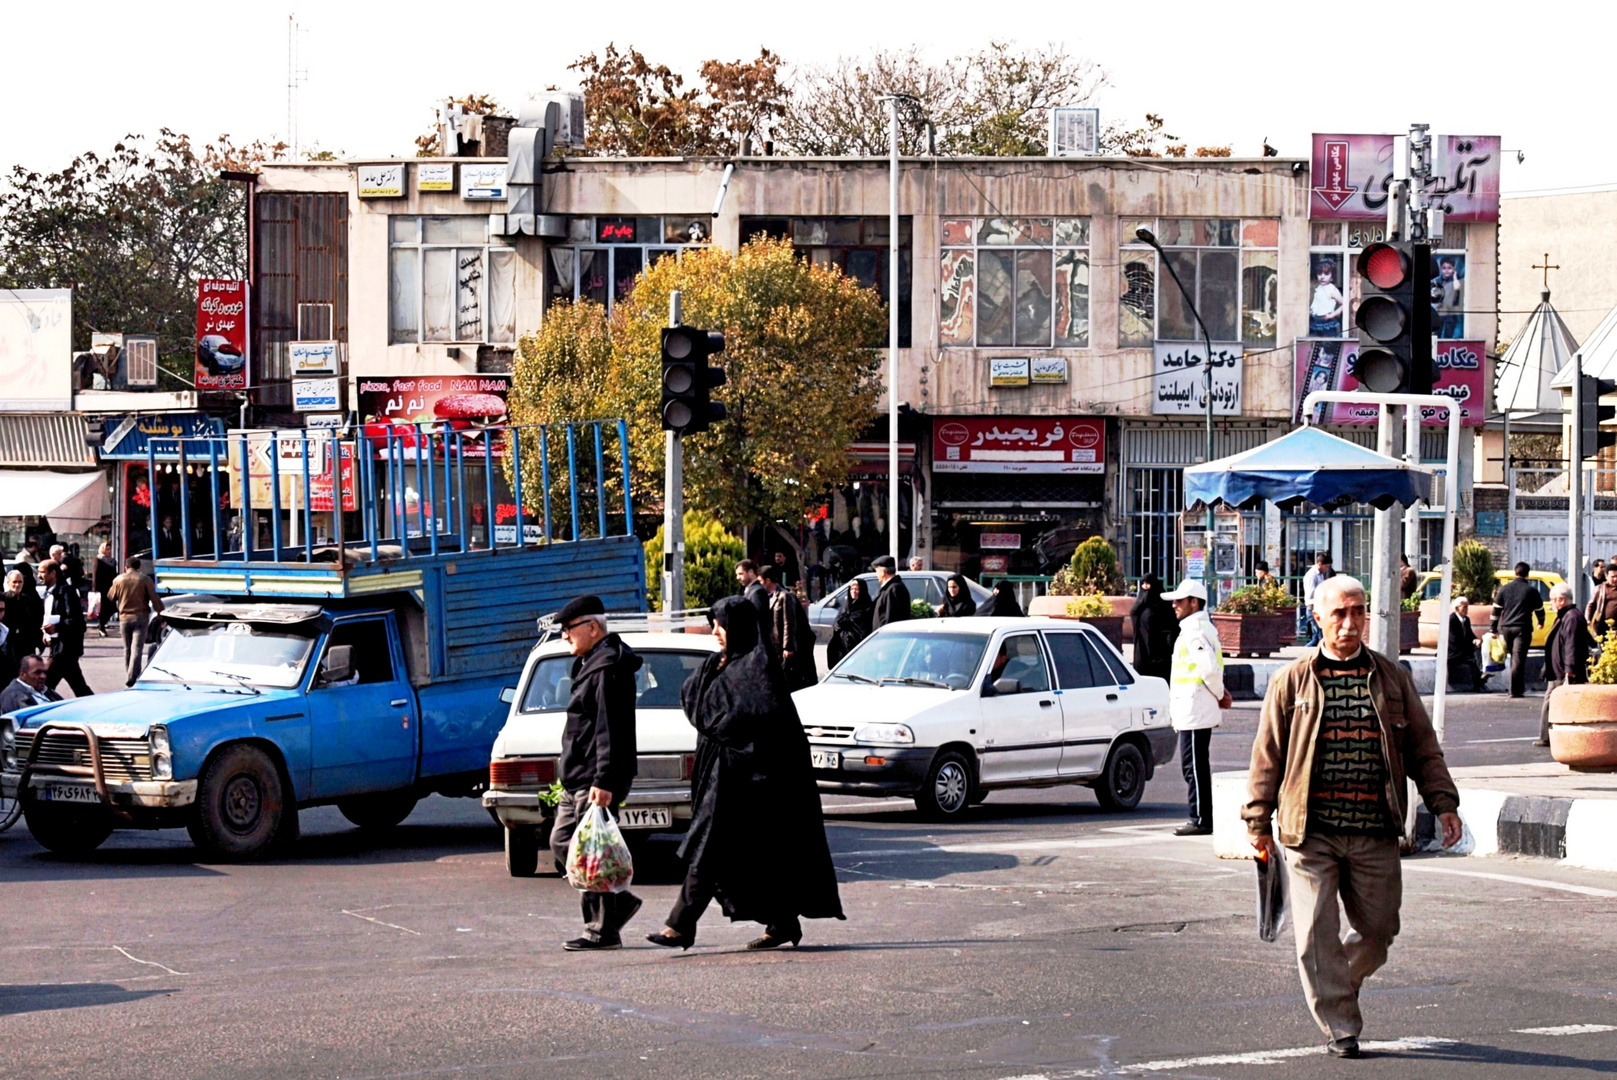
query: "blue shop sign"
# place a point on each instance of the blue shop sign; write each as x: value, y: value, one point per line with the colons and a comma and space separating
x: 127, y: 438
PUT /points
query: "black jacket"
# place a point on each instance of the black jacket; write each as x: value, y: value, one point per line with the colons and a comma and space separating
x: 892, y: 603
x: 758, y: 597
x: 19, y: 695
x: 1156, y: 628
x: 851, y: 627
x: 598, y: 743
x: 1462, y: 639
x: 105, y: 571
x: 69, y: 609
x: 1516, y: 605
x: 1566, y: 652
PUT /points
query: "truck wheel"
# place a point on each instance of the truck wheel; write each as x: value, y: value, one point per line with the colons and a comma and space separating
x: 381, y: 811
x: 240, y: 804
x: 947, y: 791
x: 67, y: 832
x: 522, y: 851
x: 1123, y: 782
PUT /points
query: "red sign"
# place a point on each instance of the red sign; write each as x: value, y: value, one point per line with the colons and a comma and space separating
x: 1019, y: 444
x: 465, y: 403
x: 320, y: 482
x: 221, y: 334
x: 1328, y: 365
x: 1335, y: 190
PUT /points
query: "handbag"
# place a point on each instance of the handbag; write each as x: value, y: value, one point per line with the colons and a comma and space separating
x: 1272, y: 899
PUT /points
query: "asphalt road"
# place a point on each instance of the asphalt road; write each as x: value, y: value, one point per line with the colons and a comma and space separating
x: 1041, y: 938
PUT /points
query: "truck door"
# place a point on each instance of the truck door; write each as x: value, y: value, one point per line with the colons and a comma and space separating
x: 363, y: 727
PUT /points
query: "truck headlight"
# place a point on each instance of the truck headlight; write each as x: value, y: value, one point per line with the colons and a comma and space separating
x: 884, y: 733
x: 162, y: 757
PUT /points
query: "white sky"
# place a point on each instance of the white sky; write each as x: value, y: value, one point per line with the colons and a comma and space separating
x: 78, y: 76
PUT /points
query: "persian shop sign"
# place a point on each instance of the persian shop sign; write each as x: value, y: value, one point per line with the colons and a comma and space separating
x: 1019, y: 444
x: 221, y: 353
x: 1328, y: 365
x: 1351, y: 175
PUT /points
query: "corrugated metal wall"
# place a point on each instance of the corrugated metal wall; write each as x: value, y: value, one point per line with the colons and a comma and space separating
x: 302, y: 256
x: 45, y: 440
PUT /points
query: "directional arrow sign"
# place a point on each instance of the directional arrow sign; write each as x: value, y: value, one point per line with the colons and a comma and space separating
x: 1336, y: 190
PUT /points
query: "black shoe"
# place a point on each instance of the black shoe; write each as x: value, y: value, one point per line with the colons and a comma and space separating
x: 1343, y: 1048
x: 672, y: 941
x: 770, y: 941
x: 589, y: 944
x: 1541, y: 742
x: 1190, y: 828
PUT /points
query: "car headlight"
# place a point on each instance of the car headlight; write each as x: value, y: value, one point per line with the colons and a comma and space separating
x: 162, y: 755
x: 8, y: 745
x: 884, y: 733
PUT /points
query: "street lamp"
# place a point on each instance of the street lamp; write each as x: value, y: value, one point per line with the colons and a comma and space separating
x: 893, y: 101
x: 1146, y: 236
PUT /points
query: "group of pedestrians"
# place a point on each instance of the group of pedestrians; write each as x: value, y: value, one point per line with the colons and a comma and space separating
x: 756, y: 841
x: 44, y: 621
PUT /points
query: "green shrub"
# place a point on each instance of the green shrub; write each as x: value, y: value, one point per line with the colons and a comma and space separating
x: 1409, y: 603
x: 1064, y: 583
x: 711, y: 555
x: 1258, y: 600
x: 1474, y: 572
x: 920, y: 609
x: 1089, y: 606
x: 1603, y: 669
x: 1094, y: 565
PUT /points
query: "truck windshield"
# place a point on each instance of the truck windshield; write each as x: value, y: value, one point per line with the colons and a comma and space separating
x: 656, y: 684
x: 215, y: 652
x: 943, y: 659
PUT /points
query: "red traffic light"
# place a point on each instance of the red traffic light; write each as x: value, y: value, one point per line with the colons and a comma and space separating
x: 1384, y: 266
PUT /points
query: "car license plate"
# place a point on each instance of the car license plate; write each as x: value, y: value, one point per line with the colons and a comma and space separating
x: 645, y: 817
x: 71, y: 793
x: 825, y: 759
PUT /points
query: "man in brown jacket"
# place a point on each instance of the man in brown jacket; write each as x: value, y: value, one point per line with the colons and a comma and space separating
x: 1341, y: 729
x: 136, y: 599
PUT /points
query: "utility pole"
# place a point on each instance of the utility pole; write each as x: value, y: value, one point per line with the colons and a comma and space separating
x: 674, y: 501
x: 892, y: 329
x: 1574, y: 483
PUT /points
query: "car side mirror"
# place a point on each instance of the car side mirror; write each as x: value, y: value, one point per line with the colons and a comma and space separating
x: 338, y: 666
x: 508, y: 694
x: 1007, y: 686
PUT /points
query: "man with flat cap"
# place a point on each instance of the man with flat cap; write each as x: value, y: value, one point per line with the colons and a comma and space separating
x: 597, y: 753
x: 893, y: 600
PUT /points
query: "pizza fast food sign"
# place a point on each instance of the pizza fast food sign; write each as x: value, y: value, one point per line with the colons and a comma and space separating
x: 463, y: 403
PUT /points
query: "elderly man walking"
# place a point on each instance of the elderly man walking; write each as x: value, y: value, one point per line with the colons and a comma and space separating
x: 1566, y: 653
x: 1196, y: 699
x: 1341, y: 728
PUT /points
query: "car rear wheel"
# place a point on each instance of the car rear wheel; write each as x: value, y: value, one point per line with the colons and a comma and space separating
x: 522, y: 850
x: 1121, y: 785
x: 947, y: 791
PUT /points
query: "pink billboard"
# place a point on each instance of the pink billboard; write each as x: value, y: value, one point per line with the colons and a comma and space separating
x: 1351, y: 174
x: 1328, y: 365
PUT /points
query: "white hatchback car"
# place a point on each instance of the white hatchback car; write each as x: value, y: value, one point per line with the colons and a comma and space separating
x: 523, y: 763
x: 946, y: 710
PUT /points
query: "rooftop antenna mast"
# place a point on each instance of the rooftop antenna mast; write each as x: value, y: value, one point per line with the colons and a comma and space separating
x: 295, y: 77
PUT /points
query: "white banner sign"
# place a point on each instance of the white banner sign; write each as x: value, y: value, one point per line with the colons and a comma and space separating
x: 36, y: 350
x: 315, y: 395
x: 312, y: 357
x: 482, y: 181
x: 381, y: 181
x: 1179, y: 387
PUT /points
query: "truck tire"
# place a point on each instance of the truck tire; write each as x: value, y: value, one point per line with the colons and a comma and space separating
x: 381, y: 811
x: 67, y: 832
x: 1121, y: 785
x: 946, y: 793
x: 522, y: 850
x: 240, y: 804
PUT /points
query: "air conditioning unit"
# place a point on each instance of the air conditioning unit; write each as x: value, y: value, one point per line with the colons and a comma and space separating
x: 1074, y: 132
x: 140, y: 361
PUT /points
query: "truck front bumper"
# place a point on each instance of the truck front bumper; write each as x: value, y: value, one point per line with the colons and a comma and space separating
x: 518, y: 806
x: 145, y: 794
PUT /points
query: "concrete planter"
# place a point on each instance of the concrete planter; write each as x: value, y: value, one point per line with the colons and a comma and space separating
x: 1408, y: 630
x: 1055, y: 607
x: 1481, y: 616
x: 1256, y: 635
x: 1583, y: 726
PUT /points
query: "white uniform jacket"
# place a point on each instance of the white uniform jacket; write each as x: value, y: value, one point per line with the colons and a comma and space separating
x: 1196, y: 683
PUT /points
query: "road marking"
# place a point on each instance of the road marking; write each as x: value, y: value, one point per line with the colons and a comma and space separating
x: 1537, y: 883
x: 1567, y: 1029
x: 379, y: 922
x: 1251, y: 1057
x: 1514, y: 738
x: 152, y: 963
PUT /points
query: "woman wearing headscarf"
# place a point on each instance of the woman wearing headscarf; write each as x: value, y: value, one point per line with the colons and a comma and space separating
x: 25, y: 611
x: 957, y: 601
x: 757, y: 840
x: 1003, y: 602
x: 1155, y: 629
x: 852, y: 626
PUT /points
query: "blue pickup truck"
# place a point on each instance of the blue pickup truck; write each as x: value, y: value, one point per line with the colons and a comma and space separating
x: 366, y: 675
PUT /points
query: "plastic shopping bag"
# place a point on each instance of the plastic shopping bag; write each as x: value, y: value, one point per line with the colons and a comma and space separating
x: 598, y: 859
x: 1272, y: 904
x: 1493, y: 653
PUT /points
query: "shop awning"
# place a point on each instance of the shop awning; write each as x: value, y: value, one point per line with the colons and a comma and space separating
x: 73, y: 501
x: 51, y: 440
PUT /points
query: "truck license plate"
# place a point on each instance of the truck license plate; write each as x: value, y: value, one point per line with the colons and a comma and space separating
x: 825, y: 759
x: 645, y: 817
x: 71, y: 793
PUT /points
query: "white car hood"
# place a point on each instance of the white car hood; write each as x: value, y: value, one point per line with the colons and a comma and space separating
x: 657, y: 731
x: 840, y: 702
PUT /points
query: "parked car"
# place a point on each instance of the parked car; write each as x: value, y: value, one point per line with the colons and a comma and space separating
x: 523, y: 763
x: 947, y: 710
x: 928, y: 585
x: 1431, y: 583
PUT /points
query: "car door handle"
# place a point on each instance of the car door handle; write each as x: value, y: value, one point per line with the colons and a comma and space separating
x: 1045, y: 704
x: 1111, y: 697
x: 398, y: 701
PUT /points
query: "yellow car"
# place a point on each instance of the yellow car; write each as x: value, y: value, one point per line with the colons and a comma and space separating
x: 1431, y: 583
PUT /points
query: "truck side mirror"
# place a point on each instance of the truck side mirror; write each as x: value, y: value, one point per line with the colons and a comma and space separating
x: 338, y: 666
x: 508, y: 694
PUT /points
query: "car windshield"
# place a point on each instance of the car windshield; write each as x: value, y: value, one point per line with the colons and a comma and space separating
x: 915, y: 659
x: 656, y: 684
x: 229, y: 653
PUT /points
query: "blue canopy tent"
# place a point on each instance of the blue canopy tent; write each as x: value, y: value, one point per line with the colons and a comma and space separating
x: 1308, y: 465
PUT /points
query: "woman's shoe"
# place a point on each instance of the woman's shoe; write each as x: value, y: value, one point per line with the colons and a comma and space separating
x: 671, y: 941
x: 769, y: 941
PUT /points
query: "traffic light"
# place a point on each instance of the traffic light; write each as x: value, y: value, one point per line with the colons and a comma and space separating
x: 688, y: 379
x: 1593, y: 437
x: 1395, y: 319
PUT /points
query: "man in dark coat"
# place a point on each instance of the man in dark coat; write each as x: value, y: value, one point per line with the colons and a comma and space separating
x: 1566, y: 653
x: 752, y: 587
x: 787, y: 622
x: 756, y: 841
x: 28, y: 688
x: 1156, y: 628
x: 64, y: 615
x: 1465, y: 669
x: 1514, y: 609
x: 597, y: 753
x: 893, y: 601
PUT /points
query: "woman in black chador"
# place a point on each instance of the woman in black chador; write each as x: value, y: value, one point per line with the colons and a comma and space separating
x: 757, y: 840
x: 1156, y: 628
x: 852, y: 626
x: 957, y: 601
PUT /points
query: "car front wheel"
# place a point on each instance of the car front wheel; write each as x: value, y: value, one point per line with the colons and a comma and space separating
x: 240, y: 804
x: 947, y: 791
x: 1121, y: 785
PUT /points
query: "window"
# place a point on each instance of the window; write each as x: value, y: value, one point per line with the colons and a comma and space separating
x: 1153, y: 517
x: 1333, y: 292
x: 370, y: 655
x: 604, y: 256
x: 1015, y: 282
x: 658, y: 682
x: 1076, y: 666
x: 858, y: 246
x: 1020, y: 658
x: 447, y: 283
x: 1230, y: 267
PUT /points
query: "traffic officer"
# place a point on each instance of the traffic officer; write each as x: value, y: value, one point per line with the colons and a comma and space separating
x: 1196, y: 699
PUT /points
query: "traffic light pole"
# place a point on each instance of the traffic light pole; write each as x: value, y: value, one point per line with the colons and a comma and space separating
x: 674, y: 502
x: 1574, y: 484
x: 1384, y: 595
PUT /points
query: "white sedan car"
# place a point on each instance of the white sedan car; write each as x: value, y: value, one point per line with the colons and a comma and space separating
x: 946, y: 710
x: 523, y: 763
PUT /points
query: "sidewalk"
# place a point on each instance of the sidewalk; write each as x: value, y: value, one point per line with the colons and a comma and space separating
x: 1542, y: 809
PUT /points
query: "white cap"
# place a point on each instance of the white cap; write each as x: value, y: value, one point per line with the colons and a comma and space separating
x: 1188, y: 588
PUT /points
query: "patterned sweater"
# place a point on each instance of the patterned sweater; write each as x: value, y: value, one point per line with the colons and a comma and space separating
x: 1347, y: 790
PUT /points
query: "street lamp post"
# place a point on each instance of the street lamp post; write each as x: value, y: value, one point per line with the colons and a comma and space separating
x: 1148, y: 237
x: 893, y: 101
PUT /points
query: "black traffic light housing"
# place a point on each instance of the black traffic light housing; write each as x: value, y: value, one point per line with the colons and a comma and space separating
x: 1395, y: 319
x: 1592, y: 414
x: 688, y: 379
